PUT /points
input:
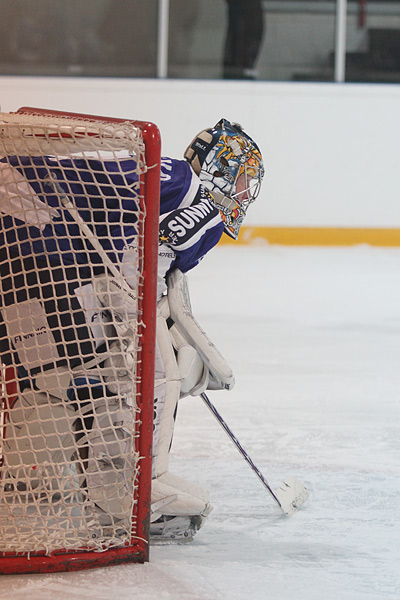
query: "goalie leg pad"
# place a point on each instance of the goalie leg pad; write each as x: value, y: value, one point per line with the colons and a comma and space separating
x: 39, y: 443
x: 119, y: 369
x: 178, y: 506
x: 110, y: 466
x: 166, y: 394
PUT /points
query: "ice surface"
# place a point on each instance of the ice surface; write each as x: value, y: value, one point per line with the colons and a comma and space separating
x: 313, y: 336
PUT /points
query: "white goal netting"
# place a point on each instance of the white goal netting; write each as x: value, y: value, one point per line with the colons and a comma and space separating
x: 71, y: 277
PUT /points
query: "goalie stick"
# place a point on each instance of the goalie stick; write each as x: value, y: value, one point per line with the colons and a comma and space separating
x: 290, y: 495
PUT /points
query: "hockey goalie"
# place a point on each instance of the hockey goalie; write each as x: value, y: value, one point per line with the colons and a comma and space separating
x: 85, y: 317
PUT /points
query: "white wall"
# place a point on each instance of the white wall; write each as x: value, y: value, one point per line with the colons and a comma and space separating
x: 331, y: 151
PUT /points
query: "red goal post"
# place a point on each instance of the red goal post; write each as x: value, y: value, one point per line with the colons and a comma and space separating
x: 23, y: 516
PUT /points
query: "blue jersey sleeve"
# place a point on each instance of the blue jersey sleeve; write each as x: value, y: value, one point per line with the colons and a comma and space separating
x: 190, y: 223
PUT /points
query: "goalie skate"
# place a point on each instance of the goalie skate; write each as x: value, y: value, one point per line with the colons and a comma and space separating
x: 175, y: 530
x: 178, y: 529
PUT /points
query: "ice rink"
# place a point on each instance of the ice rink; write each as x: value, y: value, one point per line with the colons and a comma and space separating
x: 313, y: 336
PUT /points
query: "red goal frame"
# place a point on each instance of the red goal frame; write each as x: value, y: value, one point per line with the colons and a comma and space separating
x: 138, y: 549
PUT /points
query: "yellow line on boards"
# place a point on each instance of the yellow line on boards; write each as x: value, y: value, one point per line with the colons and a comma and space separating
x: 315, y: 236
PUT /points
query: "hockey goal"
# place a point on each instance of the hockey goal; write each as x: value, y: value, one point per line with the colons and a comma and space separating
x: 79, y: 206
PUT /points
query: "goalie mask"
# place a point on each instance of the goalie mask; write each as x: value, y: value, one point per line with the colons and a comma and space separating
x: 230, y: 165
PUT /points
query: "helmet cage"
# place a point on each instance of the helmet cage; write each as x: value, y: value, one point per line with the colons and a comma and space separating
x: 231, y: 212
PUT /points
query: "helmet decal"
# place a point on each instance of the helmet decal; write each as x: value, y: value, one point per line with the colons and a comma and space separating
x: 230, y: 165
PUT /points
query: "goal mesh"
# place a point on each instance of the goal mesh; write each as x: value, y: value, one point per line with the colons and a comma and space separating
x: 79, y: 216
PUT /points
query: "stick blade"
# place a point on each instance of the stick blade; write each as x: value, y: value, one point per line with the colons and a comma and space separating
x: 292, y: 494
